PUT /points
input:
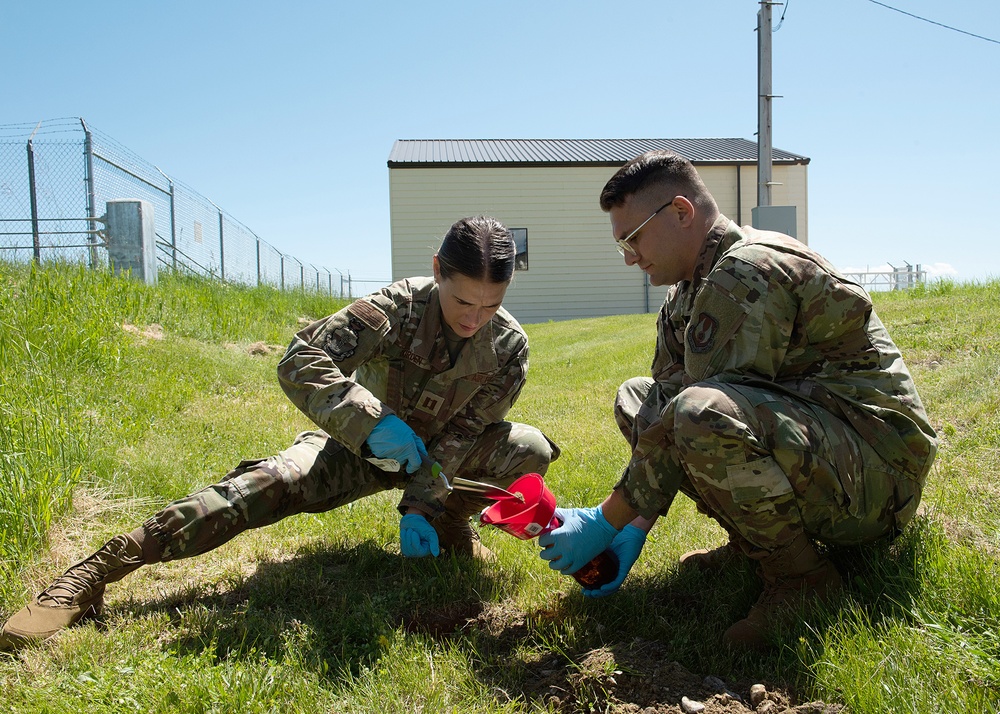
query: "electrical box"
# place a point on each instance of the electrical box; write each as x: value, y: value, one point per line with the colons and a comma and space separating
x: 774, y: 218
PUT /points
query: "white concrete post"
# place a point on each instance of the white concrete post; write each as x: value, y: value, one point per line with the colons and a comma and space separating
x: 132, y: 238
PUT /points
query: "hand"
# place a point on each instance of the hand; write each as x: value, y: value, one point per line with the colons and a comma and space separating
x: 627, y: 545
x: 393, y: 439
x: 584, y: 533
x: 417, y: 537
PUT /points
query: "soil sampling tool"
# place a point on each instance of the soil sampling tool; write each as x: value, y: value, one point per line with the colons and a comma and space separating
x: 528, y: 511
x: 478, y: 488
x: 487, y: 490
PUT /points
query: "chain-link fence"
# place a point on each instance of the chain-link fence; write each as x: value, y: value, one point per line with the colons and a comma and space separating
x: 894, y: 279
x: 56, y: 177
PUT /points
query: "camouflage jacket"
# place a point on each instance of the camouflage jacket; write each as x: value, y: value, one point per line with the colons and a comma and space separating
x: 386, y: 354
x: 763, y: 309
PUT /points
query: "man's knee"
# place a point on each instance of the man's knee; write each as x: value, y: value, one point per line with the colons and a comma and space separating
x: 535, y: 451
x: 509, y: 450
x: 629, y: 398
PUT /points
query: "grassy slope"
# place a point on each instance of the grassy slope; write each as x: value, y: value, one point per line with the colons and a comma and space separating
x: 319, y: 612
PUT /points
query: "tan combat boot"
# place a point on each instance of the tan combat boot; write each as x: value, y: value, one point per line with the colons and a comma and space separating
x: 455, y: 533
x: 711, y: 560
x: 76, y: 594
x: 793, y: 576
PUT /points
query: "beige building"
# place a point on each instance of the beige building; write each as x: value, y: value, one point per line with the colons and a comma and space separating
x: 546, y: 192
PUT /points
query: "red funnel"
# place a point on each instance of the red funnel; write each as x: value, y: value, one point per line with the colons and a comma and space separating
x: 523, y: 519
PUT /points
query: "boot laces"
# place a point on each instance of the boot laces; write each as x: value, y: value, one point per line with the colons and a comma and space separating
x: 82, y: 580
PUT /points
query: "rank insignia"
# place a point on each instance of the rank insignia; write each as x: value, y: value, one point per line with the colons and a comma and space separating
x: 429, y: 403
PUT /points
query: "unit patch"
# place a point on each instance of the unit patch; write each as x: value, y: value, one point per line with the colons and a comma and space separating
x: 701, y: 333
x: 342, y: 342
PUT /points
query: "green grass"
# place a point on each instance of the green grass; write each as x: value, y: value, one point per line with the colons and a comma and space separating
x: 104, y: 420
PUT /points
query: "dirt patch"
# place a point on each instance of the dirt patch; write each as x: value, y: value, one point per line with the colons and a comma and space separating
x: 634, y: 678
x: 640, y: 678
x: 256, y: 349
x: 150, y: 332
x: 443, y: 621
x: 262, y: 349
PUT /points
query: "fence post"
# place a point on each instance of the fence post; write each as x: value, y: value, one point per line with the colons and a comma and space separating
x: 258, y: 261
x: 132, y: 238
x: 173, y: 220
x: 222, y: 248
x: 34, y: 199
x: 282, y: 271
x: 88, y: 152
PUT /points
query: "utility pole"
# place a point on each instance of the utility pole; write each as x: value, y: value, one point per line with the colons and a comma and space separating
x: 764, y: 97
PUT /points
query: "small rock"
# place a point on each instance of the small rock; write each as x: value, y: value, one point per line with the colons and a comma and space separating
x: 714, y: 684
x: 767, y: 707
x: 690, y: 706
x: 757, y: 694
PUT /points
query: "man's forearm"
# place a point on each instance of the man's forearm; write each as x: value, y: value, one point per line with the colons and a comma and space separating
x: 617, y: 511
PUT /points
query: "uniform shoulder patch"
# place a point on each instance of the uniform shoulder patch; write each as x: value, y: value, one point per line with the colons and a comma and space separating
x: 370, y: 315
x: 341, y: 343
x: 701, y: 333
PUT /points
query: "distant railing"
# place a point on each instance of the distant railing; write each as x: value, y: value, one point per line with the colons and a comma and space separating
x: 57, y: 175
x: 895, y: 279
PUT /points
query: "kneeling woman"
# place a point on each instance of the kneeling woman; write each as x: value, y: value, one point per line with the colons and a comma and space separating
x: 423, y: 371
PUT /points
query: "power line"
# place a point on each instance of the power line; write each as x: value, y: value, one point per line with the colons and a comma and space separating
x: 939, y: 24
x: 782, y: 20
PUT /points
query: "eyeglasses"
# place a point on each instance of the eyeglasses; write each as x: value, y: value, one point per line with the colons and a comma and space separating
x: 623, y: 245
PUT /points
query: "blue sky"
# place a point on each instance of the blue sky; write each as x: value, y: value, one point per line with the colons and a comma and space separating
x: 284, y: 114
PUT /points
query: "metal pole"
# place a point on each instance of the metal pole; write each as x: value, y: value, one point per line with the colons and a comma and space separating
x: 173, y: 219
x: 88, y: 152
x: 739, y: 197
x: 34, y: 200
x: 222, y: 246
x: 764, y: 104
x: 282, y: 271
x: 258, y: 261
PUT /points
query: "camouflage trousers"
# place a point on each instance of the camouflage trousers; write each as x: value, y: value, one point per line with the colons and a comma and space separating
x: 767, y: 465
x: 317, y: 474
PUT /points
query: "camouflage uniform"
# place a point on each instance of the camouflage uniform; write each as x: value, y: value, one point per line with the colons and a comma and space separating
x: 777, y: 402
x: 383, y: 354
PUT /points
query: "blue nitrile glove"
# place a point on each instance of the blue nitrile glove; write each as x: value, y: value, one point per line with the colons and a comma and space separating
x: 417, y: 537
x: 393, y: 439
x: 627, y: 545
x: 584, y: 533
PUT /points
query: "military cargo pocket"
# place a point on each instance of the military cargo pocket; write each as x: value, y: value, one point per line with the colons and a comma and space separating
x: 906, y: 499
x: 757, y: 480
x: 892, y: 497
x: 820, y: 454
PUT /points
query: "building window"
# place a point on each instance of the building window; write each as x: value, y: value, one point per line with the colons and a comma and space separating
x: 520, y: 236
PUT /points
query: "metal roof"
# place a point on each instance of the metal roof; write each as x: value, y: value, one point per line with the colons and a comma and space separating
x: 572, y: 152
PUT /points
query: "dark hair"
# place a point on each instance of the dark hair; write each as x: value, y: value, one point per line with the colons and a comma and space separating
x: 479, y: 247
x: 656, y: 168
